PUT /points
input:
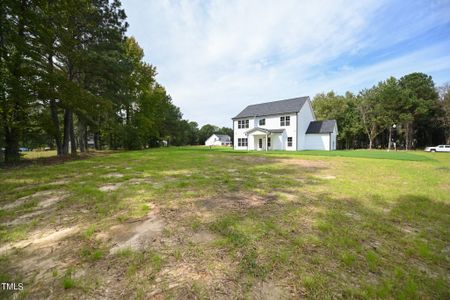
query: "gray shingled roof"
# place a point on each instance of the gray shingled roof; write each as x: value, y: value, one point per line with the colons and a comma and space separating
x: 272, y: 108
x: 223, y: 137
x: 325, y: 126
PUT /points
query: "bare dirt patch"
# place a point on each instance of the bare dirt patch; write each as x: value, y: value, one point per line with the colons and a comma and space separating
x: 310, y: 164
x: 326, y: 177
x: 203, y: 237
x: 39, y: 195
x: 234, y: 201
x: 26, y: 218
x: 45, y: 237
x: 254, y: 159
x: 59, y: 182
x: 110, y: 187
x: 113, y: 175
x: 137, y: 234
x: 268, y: 291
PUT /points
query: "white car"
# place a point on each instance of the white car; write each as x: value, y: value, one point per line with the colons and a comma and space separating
x: 440, y: 148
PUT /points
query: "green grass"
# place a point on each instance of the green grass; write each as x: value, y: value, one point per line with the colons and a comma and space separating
x: 374, y: 154
x: 314, y: 224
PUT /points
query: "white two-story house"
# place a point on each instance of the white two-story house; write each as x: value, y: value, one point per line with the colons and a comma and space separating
x: 283, y: 125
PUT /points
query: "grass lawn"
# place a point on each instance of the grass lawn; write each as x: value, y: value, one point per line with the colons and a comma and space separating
x: 196, y: 222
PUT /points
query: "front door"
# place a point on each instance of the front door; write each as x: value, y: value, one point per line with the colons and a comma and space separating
x: 260, y: 143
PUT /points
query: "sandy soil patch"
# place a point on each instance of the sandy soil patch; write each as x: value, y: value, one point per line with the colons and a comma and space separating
x: 311, y: 164
x: 45, y: 198
x: 45, y: 237
x: 23, y: 200
x: 110, y: 187
x: 268, y: 291
x: 234, y: 201
x: 26, y: 218
x: 203, y: 237
x: 177, y: 172
x: 137, y: 235
x: 52, y: 199
x: 59, y: 182
x: 113, y: 175
x: 326, y: 177
x: 254, y: 159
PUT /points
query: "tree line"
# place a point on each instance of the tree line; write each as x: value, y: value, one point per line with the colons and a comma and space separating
x: 410, y: 112
x: 70, y: 76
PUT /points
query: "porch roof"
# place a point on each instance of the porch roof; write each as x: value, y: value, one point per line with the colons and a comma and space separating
x: 267, y: 131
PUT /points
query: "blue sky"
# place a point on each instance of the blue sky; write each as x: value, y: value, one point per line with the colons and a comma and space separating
x: 216, y: 57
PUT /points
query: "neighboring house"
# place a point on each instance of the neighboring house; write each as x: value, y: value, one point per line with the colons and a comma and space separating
x: 283, y: 125
x: 218, y: 140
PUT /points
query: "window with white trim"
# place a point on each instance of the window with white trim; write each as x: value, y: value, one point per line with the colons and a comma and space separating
x: 285, y: 121
x: 262, y: 122
x: 242, y: 142
x: 268, y: 142
x: 289, y: 141
x: 243, y: 124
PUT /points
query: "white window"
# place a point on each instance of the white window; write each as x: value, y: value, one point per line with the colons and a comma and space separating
x: 242, y: 142
x: 285, y: 121
x: 243, y: 124
x: 289, y: 141
x: 262, y: 122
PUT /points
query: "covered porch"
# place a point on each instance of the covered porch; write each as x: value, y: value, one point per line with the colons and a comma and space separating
x: 261, y: 139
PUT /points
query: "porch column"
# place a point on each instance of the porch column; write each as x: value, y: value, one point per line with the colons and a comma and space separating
x: 266, y: 141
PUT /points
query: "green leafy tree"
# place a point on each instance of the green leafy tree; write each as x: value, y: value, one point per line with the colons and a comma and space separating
x: 444, y: 97
x: 17, y: 70
x: 343, y: 109
x: 421, y: 109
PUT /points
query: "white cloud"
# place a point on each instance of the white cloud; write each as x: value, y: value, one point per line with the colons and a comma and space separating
x: 217, y: 57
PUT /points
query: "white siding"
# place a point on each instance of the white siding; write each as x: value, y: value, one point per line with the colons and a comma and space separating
x: 305, y: 116
x: 299, y: 123
x: 279, y: 141
x: 213, y: 141
x: 333, y: 138
x: 240, y: 133
x: 319, y: 141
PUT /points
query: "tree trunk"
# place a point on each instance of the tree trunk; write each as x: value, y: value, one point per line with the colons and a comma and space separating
x: 97, y: 141
x: 73, y: 141
x: 408, y: 136
x: 12, y: 145
x: 111, y: 141
x: 390, y: 139
x: 54, y: 109
x: 81, y: 132
x: 128, y: 115
x: 66, y: 138
x: 86, y: 138
x: 57, y: 129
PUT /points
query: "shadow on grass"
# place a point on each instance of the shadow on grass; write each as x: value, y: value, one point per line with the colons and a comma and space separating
x: 341, y: 248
